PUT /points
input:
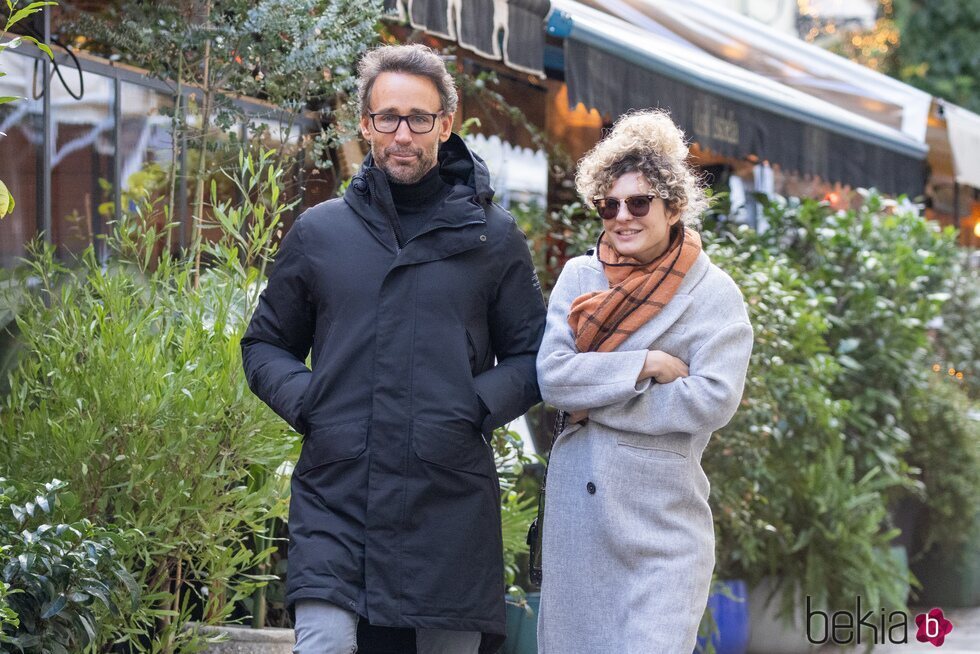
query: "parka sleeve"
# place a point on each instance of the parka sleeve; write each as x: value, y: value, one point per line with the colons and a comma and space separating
x: 702, y: 402
x: 571, y: 380
x: 280, y: 334
x: 516, y: 323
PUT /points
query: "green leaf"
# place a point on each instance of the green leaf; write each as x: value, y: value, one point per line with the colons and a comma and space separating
x: 86, y: 622
x: 6, y: 206
x: 131, y: 586
x: 41, y: 46
x: 32, y: 8
x: 54, y: 608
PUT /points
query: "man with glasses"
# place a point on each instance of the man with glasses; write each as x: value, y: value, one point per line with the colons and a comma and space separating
x: 418, y: 300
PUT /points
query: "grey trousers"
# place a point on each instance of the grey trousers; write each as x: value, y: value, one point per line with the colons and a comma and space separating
x: 325, y: 628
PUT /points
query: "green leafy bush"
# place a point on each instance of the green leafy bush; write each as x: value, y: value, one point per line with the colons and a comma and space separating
x: 517, y: 508
x: 946, y: 447
x: 803, y: 475
x: 787, y: 413
x: 958, y: 339
x: 886, y: 270
x: 132, y: 382
x: 54, y: 575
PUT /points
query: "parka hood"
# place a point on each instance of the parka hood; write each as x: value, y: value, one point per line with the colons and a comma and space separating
x: 369, y: 195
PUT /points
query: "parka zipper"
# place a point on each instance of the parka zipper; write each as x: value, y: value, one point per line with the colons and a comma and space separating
x: 394, y: 233
x: 387, y: 214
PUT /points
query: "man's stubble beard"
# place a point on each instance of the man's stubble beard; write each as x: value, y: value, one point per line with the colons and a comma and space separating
x: 405, y: 174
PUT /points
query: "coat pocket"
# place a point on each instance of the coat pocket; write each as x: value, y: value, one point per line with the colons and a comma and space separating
x: 457, y: 446
x: 662, y: 447
x: 333, y: 443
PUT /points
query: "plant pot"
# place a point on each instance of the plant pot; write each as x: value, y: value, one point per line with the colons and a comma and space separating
x: 769, y: 632
x: 522, y: 626
x: 729, y: 607
x: 244, y: 640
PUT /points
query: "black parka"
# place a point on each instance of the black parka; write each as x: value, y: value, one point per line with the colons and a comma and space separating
x: 419, y: 350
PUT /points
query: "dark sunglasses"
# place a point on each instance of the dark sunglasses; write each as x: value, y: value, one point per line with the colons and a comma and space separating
x: 637, y: 205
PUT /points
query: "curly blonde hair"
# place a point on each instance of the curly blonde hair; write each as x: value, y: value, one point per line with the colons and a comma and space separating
x: 650, y: 143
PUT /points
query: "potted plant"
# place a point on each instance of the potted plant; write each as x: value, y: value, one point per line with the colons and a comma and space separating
x: 725, y: 627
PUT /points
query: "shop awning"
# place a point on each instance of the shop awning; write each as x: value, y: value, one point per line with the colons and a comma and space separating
x: 508, y: 30
x: 781, y: 57
x: 613, y: 66
x: 964, y: 140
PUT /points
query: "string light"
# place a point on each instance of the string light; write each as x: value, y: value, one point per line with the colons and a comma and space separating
x: 871, y: 47
x: 951, y: 372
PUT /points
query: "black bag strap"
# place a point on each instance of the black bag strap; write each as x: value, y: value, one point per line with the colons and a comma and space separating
x: 536, y: 531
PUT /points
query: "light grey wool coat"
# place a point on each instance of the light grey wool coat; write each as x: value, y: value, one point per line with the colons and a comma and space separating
x: 628, y: 543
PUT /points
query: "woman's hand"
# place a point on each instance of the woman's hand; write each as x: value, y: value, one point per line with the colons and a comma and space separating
x: 662, y: 367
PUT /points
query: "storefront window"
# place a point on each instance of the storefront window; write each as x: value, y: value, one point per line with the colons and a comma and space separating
x: 20, y: 149
x: 81, y: 160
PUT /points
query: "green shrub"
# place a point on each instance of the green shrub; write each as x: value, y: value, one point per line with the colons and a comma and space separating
x: 803, y: 475
x: 55, y: 576
x: 946, y: 447
x: 958, y: 340
x: 132, y: 389
x: 886, y: 270
x: 787, y: 415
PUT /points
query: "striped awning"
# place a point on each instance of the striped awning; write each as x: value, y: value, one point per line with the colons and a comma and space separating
x: 511, y: 31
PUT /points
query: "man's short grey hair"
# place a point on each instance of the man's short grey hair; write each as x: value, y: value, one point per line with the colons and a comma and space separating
x: 414, y: 59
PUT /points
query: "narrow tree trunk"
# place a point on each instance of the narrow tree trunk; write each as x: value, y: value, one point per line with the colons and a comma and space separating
x: 196, y: 242
x: 174, y: 152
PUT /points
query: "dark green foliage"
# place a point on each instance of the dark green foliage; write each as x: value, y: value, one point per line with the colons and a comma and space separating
x: 938, y: 50
x: 958, y: 340
x: 881, y: 273
x: 297, y: 54
x: 802, y: 476
x: 946, y: 447
x: 57, y: 577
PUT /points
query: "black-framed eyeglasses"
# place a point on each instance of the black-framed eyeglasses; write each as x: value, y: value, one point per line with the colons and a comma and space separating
x: 637, y: 205
x: 417, y: 123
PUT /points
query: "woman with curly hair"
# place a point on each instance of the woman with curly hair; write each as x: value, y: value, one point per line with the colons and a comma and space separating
x: 646, y: 349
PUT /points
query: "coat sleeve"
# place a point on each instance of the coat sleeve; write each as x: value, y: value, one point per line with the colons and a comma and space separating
x: 571, y: 380
x: 516, y: 323
x: 702, y: 402
x: 280, y: 334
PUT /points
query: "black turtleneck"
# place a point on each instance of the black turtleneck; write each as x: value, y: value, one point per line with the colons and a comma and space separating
x: 415, y: 202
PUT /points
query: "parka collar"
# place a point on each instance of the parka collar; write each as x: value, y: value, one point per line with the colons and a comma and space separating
x: 458, y: 224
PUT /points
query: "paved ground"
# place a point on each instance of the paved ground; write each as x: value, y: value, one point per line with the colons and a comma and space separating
x: 964, y: 639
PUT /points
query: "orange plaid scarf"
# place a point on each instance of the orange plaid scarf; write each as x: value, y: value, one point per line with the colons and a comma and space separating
x: 602, y: 320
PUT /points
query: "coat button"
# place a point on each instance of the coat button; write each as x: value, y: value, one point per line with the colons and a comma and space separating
x: 483, y: 237
x: 590, y: 487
